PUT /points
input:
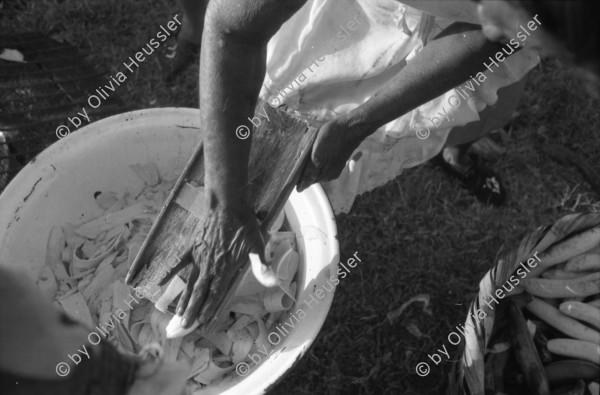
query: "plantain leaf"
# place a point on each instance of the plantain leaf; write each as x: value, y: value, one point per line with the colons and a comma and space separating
x: 481, y: 324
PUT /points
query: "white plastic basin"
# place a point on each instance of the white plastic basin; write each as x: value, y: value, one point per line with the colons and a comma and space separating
x: 58, y: 187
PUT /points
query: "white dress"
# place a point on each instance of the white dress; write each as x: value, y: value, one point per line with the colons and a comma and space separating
x: 333, y: 55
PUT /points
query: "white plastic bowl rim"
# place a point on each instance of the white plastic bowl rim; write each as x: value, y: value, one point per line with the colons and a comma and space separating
x: 58, y: 186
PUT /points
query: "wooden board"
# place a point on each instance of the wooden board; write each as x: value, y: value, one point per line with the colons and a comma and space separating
x: 280, y: 147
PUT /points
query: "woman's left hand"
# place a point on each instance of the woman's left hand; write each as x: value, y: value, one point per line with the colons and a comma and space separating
x: 334, y: 144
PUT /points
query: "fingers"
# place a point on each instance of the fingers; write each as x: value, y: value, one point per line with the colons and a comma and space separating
x: 321, y: 146
x: 196, y: 288
x: 313, y: 171
x: 258, y: 246
x: 310, y: 175
x: 196, y: 300
x: 334, y: 168
x: 218, y: 288
x: 302, y: 185
x: 317, y: 157
x: 336, y: 171
x: 217, y: 256
x: 249, y: 239
x: 263, y: 273
x: 181, y: 262
x: 331, y: 165
x: 187, y: 292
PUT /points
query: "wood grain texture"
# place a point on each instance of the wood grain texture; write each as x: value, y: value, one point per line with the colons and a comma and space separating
x: 280, y: 146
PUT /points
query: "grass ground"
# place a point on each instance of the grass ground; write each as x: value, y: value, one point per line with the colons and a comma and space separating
x: 418, y: 234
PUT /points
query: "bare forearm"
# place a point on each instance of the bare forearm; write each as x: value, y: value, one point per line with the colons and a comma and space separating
x: 232, y: 68
x: 230, y: 77
x: 443, y: 64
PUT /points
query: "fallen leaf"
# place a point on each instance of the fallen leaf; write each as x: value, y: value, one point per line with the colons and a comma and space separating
x: 413, y: 329
x: 12, y: 55
x: 424, y: 298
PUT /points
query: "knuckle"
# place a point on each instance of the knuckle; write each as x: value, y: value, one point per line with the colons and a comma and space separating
x: 214, y: 287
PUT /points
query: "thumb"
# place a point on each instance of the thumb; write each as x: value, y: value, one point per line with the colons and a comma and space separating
x: 309, y: 176
x: 319, y: 155
x: 316, y: 157
x: 263, y: 273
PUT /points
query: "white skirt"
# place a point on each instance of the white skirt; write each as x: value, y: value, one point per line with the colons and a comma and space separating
x: 333, y: 55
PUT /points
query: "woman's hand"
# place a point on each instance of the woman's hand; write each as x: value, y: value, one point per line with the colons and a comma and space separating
x: 221, y: 247
x: 334, y: 144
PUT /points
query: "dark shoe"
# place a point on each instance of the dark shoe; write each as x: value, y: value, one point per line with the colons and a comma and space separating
x: 180, y: 57
x: 480, y: 181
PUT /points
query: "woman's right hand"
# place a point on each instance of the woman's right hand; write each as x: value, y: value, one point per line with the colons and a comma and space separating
x: 221, y: 247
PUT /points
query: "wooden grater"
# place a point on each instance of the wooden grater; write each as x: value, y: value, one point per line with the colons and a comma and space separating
x: 281, y: 146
